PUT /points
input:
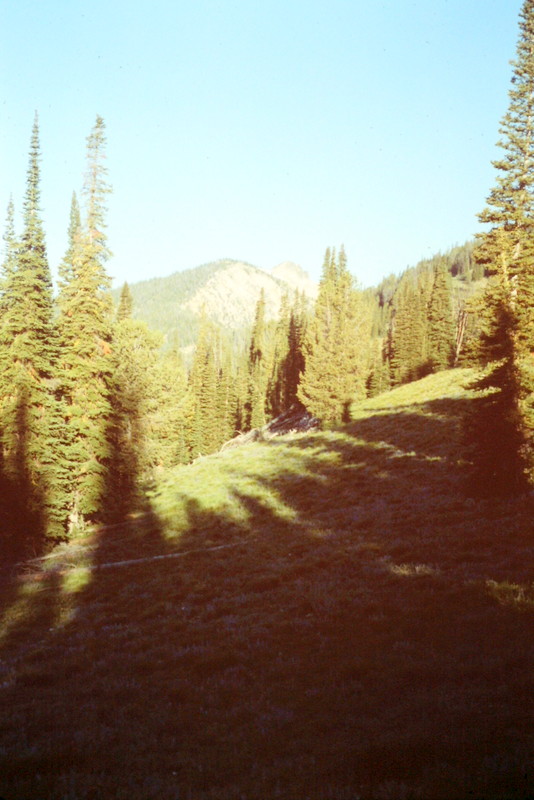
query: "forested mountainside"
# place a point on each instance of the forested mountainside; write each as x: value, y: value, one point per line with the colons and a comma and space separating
x: 91, y: 403
x: 225, y: 291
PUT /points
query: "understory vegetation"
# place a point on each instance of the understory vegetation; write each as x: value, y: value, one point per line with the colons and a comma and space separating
x: 248, y: 636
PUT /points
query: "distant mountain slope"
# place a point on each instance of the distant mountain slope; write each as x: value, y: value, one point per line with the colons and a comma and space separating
x: 226, y: 291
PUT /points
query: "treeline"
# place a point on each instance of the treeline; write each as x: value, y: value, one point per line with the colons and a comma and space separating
x: 426, y: 320
x: 91, y: 405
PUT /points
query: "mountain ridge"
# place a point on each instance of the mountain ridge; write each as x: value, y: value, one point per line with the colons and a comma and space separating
x: 226, y: 291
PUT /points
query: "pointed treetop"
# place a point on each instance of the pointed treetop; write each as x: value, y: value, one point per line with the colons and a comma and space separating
x: 96, y: 188
x: 124, y: 310
x: 33, y: 193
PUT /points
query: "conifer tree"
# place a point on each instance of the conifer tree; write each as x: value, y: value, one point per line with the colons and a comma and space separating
x: 135, y: 353
x: 506, y: 249
x: 440, y: 323
x: 287, y: 356
x: 85, y: 328
x: 226, y: 397
x: 170, y: 411
x: 28, y: 348
x: 203, y: 385
x: 294, y: 362
x: 9, y: 263
x: 65, y: 269
x: 125, y: 308
x: 258, y: 365
x: 336, y: 345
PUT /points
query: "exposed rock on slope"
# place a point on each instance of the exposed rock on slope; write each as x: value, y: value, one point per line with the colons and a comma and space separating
x: 295, y: 420
x: 293, y: 275
x: 226, y: 291
x: 229, y: 297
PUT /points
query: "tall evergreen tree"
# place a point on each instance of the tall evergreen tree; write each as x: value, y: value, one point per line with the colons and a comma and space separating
x: 135, y: 354
x: 125, y: 308
x: 85, y: 328
x: 441, y: 332
x: 203, y: 386
x: 66, y: 267
x: 336, y: 345
x: 409, y: 332
x: 28, y: 349
x: 9, y: 263
x: 258, y: 366
x: 170, y: 411
x: 288, y: 357
x: 506, y: 249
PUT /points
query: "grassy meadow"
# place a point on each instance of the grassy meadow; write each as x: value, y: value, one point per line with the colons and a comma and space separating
x: 323, y: 616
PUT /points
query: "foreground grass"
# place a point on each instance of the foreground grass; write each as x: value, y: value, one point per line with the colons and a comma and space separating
x: 336, y: 619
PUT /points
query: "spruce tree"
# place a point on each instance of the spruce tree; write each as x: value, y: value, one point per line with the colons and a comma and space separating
x: 287, y: 357
x: 133, y: 385
x: 125, y: 308
x: 203, y: 386
x: 85, y: 328
x: 9, y: 262
x: 277, y: 383
x: 258, y: 366
x: 336, y: 345
x: 170, y: 411
x: 506, y: 250
x: 28, y: 349
x: 65, y: 269
x: 440, y: 323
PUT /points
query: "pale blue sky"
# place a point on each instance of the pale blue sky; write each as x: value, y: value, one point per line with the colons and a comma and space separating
x: 262, y: 131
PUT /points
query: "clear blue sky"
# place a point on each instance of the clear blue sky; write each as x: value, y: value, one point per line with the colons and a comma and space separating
x: 261, y: 130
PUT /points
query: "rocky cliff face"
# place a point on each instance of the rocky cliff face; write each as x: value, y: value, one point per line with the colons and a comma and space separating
x: 230, y: 295
x: 226, y: 291
x: 293, y: 275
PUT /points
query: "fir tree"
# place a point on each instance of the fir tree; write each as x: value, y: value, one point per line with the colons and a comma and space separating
x: 170, y: 411
x: 409, y: 337
x: 440, y: 322
x: 85, y: 327
x: 65, y: 269
x: 28, y: 349
x: 133, y: 383
x: 9, y: 263
x: 203, y: 385
x: 288, y: 357
x: 506, y: 249
x: 257, y: 365
x: 336, y: 345
x: 125, y: 308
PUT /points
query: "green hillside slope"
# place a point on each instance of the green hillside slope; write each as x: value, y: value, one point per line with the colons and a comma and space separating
x: 323, y: 616
x: 159, y: 301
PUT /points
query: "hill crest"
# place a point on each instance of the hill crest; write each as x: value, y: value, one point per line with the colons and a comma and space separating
x: 227, y: 291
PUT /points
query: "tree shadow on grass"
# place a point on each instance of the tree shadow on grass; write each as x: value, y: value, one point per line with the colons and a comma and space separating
x: 317, y: 642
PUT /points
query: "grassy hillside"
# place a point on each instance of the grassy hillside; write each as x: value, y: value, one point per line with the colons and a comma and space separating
x: 319, y: 616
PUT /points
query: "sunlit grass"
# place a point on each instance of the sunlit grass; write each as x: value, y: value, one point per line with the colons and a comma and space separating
x: 323, y: 616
